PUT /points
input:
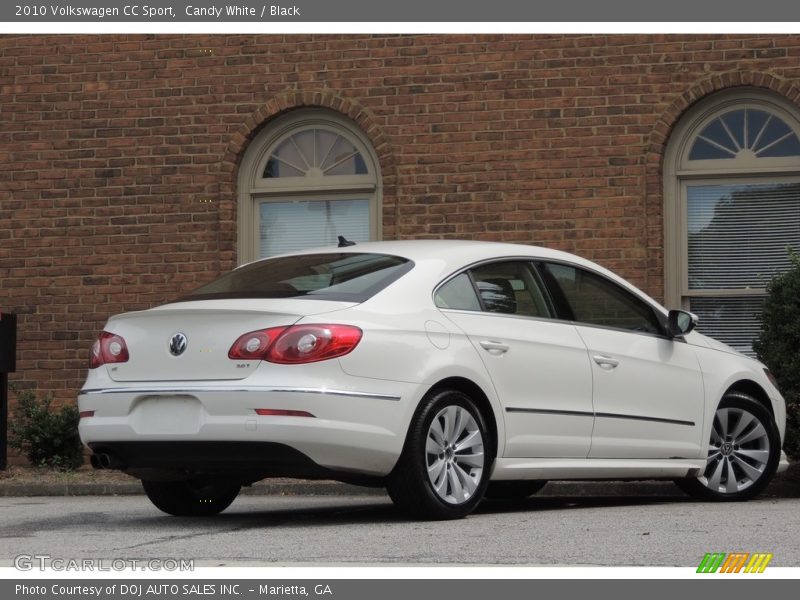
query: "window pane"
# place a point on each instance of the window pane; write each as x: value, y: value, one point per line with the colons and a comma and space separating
x: 756, y: 119
x: 738, y: 234
x: 785, y: 146
x: 289, y: 160
x: 759, y: 133
x: 734, y: 320
x: 510, y: 288
x: 276, y: 168
x: 343, y: 159
x: 296, y: 225
x: 315, y: 153
x: 703, y: 150
x: 598, y: 301
x: 734, y: 121
x: 457, y: 293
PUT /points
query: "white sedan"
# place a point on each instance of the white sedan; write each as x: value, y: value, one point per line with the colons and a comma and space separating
x: 446, y: 371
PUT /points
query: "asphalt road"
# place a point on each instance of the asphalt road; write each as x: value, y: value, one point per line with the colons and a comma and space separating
x: 263, y: 530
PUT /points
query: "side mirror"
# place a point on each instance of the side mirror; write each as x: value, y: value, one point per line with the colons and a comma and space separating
x: 681, y: 322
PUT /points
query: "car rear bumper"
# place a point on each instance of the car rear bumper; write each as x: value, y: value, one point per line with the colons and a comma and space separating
x: 244, y: 462
x: 350, y: 431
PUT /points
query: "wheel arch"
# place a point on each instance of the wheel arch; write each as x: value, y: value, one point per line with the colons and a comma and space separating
x: 474, y: 391
x: 751, y: 388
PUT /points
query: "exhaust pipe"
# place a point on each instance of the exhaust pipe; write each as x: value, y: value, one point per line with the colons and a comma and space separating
x: 106, y: 461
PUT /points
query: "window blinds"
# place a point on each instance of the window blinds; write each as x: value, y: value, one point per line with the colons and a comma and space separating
x: 738, y: 234
x: 297, y: 225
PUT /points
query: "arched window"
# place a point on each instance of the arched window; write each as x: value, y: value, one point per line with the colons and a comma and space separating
x: 732, y: 194
x: 305, y: 179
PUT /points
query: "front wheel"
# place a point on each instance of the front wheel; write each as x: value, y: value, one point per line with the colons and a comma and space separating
x: 199, y: 497
x: 444, y: 468
x: 743, y: 452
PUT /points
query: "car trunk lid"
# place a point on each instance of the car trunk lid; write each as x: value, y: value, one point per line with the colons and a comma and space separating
x: 209, y: 327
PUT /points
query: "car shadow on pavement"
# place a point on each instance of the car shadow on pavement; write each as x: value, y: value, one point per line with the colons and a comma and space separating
x: 337, y: 513
x: 551, y: 503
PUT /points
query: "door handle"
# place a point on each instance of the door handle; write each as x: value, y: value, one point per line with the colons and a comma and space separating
x: 494, y: 347
x: 606, y: 362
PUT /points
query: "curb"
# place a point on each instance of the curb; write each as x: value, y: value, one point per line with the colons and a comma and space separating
x: 781, y: 487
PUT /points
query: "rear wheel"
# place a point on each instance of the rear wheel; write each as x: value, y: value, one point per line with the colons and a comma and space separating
x: 444, y: 468
x: 743, y: 452
x: 199, y: 497
x: 513, y: 490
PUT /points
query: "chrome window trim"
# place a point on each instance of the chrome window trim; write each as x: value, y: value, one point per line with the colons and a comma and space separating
x: 657, y: 309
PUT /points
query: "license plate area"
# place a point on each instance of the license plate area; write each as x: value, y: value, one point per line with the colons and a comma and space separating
x: 175, y: 414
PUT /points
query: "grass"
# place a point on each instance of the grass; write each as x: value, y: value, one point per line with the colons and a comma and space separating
x: 19, y: 474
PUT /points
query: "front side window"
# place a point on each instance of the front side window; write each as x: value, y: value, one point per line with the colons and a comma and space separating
x: 336, y: 276
x: 589, y: 298
x: 305, y: 180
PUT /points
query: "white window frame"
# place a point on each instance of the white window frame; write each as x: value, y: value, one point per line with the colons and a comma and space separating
x: 679, y: 172
x: 253, y: 188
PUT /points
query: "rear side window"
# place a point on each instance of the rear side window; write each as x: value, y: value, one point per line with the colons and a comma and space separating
x: 338, y: 276
x: 457, y: 293
x: 595, y: 300
x: 504, y: 287
x: 510, y: 287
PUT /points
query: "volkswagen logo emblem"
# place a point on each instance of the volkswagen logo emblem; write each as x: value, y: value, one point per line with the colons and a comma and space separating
x: 178, y: 343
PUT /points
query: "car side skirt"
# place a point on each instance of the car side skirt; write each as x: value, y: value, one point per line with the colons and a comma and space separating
x: 595, y: 468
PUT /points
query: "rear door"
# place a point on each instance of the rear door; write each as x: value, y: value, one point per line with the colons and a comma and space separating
x: 648, y: 389
x: 539, y: 367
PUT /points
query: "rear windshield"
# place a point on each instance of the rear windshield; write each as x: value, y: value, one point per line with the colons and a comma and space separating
x: 344, y: 277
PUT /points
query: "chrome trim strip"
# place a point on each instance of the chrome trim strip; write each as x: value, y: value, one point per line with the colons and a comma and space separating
x: 543, y: 411
x: 602, y: 415
x: 201, y: 389
x: 641, y: 418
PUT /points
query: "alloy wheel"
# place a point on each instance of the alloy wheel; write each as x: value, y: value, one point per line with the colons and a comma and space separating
x: 454, y: 454
x: 738, y: 452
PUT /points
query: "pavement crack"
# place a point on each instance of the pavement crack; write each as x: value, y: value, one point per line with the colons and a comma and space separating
x: 175, y: 538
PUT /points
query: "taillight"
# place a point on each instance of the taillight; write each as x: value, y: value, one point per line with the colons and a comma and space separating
x: 297, y: 344
x: 311, y: 343
x: 108, y: 348
x: 254, y: 345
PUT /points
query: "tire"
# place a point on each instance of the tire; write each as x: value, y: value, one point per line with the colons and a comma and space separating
x: 513, y: 490
x: 448, y: 434
x: 740, y: 463
x: 193, y: 498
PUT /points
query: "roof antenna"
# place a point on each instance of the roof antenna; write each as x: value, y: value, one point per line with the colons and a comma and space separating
x: 344, y: 242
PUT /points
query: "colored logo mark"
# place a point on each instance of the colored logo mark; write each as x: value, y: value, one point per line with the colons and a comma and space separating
x: 737, y: 562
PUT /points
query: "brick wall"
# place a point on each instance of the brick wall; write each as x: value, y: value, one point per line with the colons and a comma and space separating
x: 118, y: 154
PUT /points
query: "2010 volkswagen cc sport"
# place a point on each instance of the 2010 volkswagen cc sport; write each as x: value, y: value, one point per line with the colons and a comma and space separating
x: 445, y: 371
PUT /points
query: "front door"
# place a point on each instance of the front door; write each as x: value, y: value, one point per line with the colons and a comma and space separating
x: 648, y: 389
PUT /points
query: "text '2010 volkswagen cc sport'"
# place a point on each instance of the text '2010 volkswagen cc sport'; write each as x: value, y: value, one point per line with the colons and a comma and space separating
x: 445, y: 371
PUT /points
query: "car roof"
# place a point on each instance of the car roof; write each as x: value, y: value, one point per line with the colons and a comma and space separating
x: 456, y: 253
